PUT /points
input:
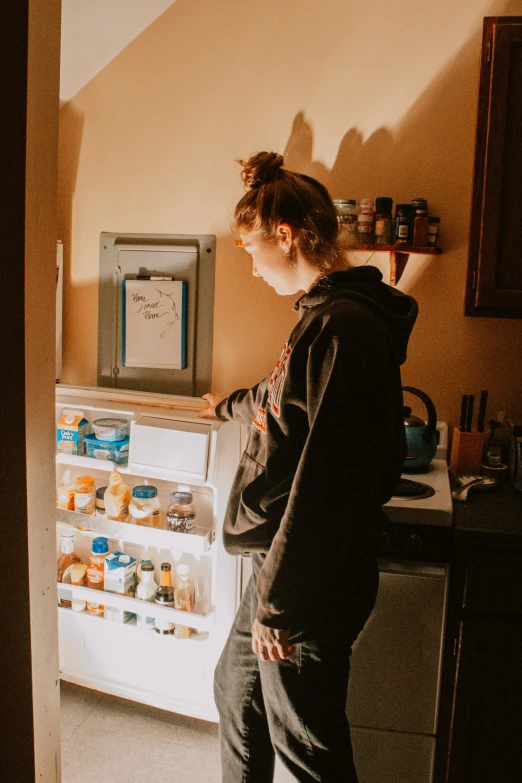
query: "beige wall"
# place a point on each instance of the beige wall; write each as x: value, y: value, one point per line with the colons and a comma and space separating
x: 43, y: 81
x: 372, y: 98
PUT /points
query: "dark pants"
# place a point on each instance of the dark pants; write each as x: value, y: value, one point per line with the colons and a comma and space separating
x: 295, y: 707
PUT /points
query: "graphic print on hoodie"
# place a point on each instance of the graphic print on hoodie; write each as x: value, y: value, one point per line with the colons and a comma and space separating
x: 326, y: 443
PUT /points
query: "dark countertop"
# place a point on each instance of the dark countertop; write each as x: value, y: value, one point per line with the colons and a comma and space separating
x: 495, y: 515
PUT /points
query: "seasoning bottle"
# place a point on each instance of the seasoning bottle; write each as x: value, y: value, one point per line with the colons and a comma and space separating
x: 146, y: 591
x: 145, y: 507
x: 67, y: 558
x: 84, y: 495
x: 421, y: 206
x: 100, y: 502
x: 433, y: 230
x: 183, y: 599
x: 346, y: 209
x: 95, y: 571
x: 365, y: 221
x: 404, y: 214
x: 117, y: 498
x: 164, y: 597
x: 383, y: 221
x: 181, y: 513
x: 420, y: 222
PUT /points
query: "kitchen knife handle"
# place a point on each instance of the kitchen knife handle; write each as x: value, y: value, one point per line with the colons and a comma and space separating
x: 469, y: 417
x: 463, y: 412
x: 482, y: 411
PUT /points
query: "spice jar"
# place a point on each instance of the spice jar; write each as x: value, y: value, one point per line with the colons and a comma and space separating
x: 421, y: 206
x: 433, y: 230
x: 181, y: 513
x: 84, y: 495
x: 383, y: 221
x: 365, y: 221
x: 100, y: 502
x: 346, y: 209
x: 145, y: 508
x: 404, y: 214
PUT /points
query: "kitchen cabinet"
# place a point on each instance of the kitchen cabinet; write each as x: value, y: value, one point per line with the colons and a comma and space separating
x: 494, y: 280
x: 481, y: 711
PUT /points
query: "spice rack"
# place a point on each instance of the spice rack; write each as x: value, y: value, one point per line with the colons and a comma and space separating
x: 399, y: 255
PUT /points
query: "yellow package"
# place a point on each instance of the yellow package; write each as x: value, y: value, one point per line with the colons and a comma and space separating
x: 65, y: 497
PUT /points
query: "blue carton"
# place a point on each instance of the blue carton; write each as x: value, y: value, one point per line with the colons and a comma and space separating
x: 116, y: 451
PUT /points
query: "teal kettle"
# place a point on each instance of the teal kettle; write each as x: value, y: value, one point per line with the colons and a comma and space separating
x: 421, y: 438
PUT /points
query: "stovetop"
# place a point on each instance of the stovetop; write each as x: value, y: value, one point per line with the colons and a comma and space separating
x: 434, y: 510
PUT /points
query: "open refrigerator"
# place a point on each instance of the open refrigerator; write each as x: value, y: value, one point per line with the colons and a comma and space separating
x: 174, y: 450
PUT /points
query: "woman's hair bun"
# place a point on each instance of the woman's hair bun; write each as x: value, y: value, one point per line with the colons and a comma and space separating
x: 261, y: 168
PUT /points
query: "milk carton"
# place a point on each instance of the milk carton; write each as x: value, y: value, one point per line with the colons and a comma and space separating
x: 70, y: 432
x: 119, y: 577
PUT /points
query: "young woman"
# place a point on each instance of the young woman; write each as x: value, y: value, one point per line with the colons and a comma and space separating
x: 325, y: 451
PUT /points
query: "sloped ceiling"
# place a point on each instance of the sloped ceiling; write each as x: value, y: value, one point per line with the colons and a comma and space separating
x: 95, y: 31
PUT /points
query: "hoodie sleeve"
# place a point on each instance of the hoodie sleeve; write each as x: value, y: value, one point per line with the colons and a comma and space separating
x: 338, y: 486
x: 242, y: 404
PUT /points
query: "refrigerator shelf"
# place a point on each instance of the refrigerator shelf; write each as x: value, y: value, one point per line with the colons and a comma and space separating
x: 194, y: 543
x: 134, y: 605
x: 91, y: 463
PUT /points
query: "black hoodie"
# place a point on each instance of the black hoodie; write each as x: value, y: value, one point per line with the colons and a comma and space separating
x: 326, y: 445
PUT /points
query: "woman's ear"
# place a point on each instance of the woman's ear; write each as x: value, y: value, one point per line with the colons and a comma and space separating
x: 285, y: 235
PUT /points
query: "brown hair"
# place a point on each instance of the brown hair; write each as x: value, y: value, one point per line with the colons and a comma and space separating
x: 275, y: 195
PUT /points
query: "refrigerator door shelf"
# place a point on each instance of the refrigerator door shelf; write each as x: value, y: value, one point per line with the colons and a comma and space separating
x: 168, y: 448
x: 90, y: 463
x: 134, y: 605
x: 194, y: 543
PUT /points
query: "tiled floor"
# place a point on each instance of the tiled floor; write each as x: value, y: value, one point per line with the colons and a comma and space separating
x: 111, y: 740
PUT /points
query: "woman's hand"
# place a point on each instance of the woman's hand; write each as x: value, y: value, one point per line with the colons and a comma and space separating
x: 271, y: 644
x: 213, y: 400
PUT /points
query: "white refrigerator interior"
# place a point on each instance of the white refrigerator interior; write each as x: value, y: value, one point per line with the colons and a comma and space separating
x: 174, y: 450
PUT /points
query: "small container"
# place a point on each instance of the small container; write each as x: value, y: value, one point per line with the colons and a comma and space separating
x: 421, y: 206
x: 365, y: 221
x: 181, y: 513
x: 120, y: 578
x: 111, y: 429
x: 95, y: 571
x: 165, y: 597
x: 116, y: 451
x: 433, y: 230
x: 146, y: 591
x: 84, y: 495
x: 420, y: 230
x: 78, y: 575
x: 383, y: 221
x: 404, y: 214
x: 183, y: 599
x: 145, y: 508
x: 346, y: 209
x: 100, y: 502
x: 70, y: 432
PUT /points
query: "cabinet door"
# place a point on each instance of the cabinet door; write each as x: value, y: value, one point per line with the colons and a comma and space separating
x: 494, y: 285
x: 485, y: 743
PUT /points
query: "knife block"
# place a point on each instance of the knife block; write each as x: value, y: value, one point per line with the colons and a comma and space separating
x: 466, y: 452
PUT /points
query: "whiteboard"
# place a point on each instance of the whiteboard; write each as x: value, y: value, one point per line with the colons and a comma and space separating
x: 154, y: 317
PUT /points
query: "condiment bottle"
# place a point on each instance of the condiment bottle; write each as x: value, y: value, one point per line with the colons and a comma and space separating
x: 403, y: 223
x: 84, y: 495
x: 433, y: 230
x: 117, y: 498
x: 164, y: 597
x: 67, y: 558
x: 183, y: 599
x: 420, y: 221
x: 145, y: 507
x: 146, y: 591
x: 346, y: 209
x: 365, y: 221
x: 78, y: 576
x: 100, y: 502
x: 181, y: 513
x: 383, y: 221
x: 95, y: 571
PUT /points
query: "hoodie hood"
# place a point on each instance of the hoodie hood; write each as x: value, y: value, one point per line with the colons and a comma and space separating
x: 364, y: 284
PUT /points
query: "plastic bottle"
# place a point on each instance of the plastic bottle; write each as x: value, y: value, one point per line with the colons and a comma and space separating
x: 145, y: 507
x: 117, y: 498
x: 146, y: 591
x: 67, y: 558
x: 181, y: 513
x: 164, y: 597
x: 95, y: 571
x: 84, y: 495
x: 144, y: 559
x: 365, y: 221
x: 183, y: 599
x: 383, y: 221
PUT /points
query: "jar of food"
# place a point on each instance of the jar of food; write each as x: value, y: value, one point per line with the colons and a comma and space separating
x: 95, y: 571
x: 420, y: 205
x: 433, y: 230
x: 145, y: 507
x: 84, y: 495
x: 346, y: 209
x: 383, y: 221
x: 404, y: 214
x: 100, y: 502
x: 365, y: 221
x: 181, y: 513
